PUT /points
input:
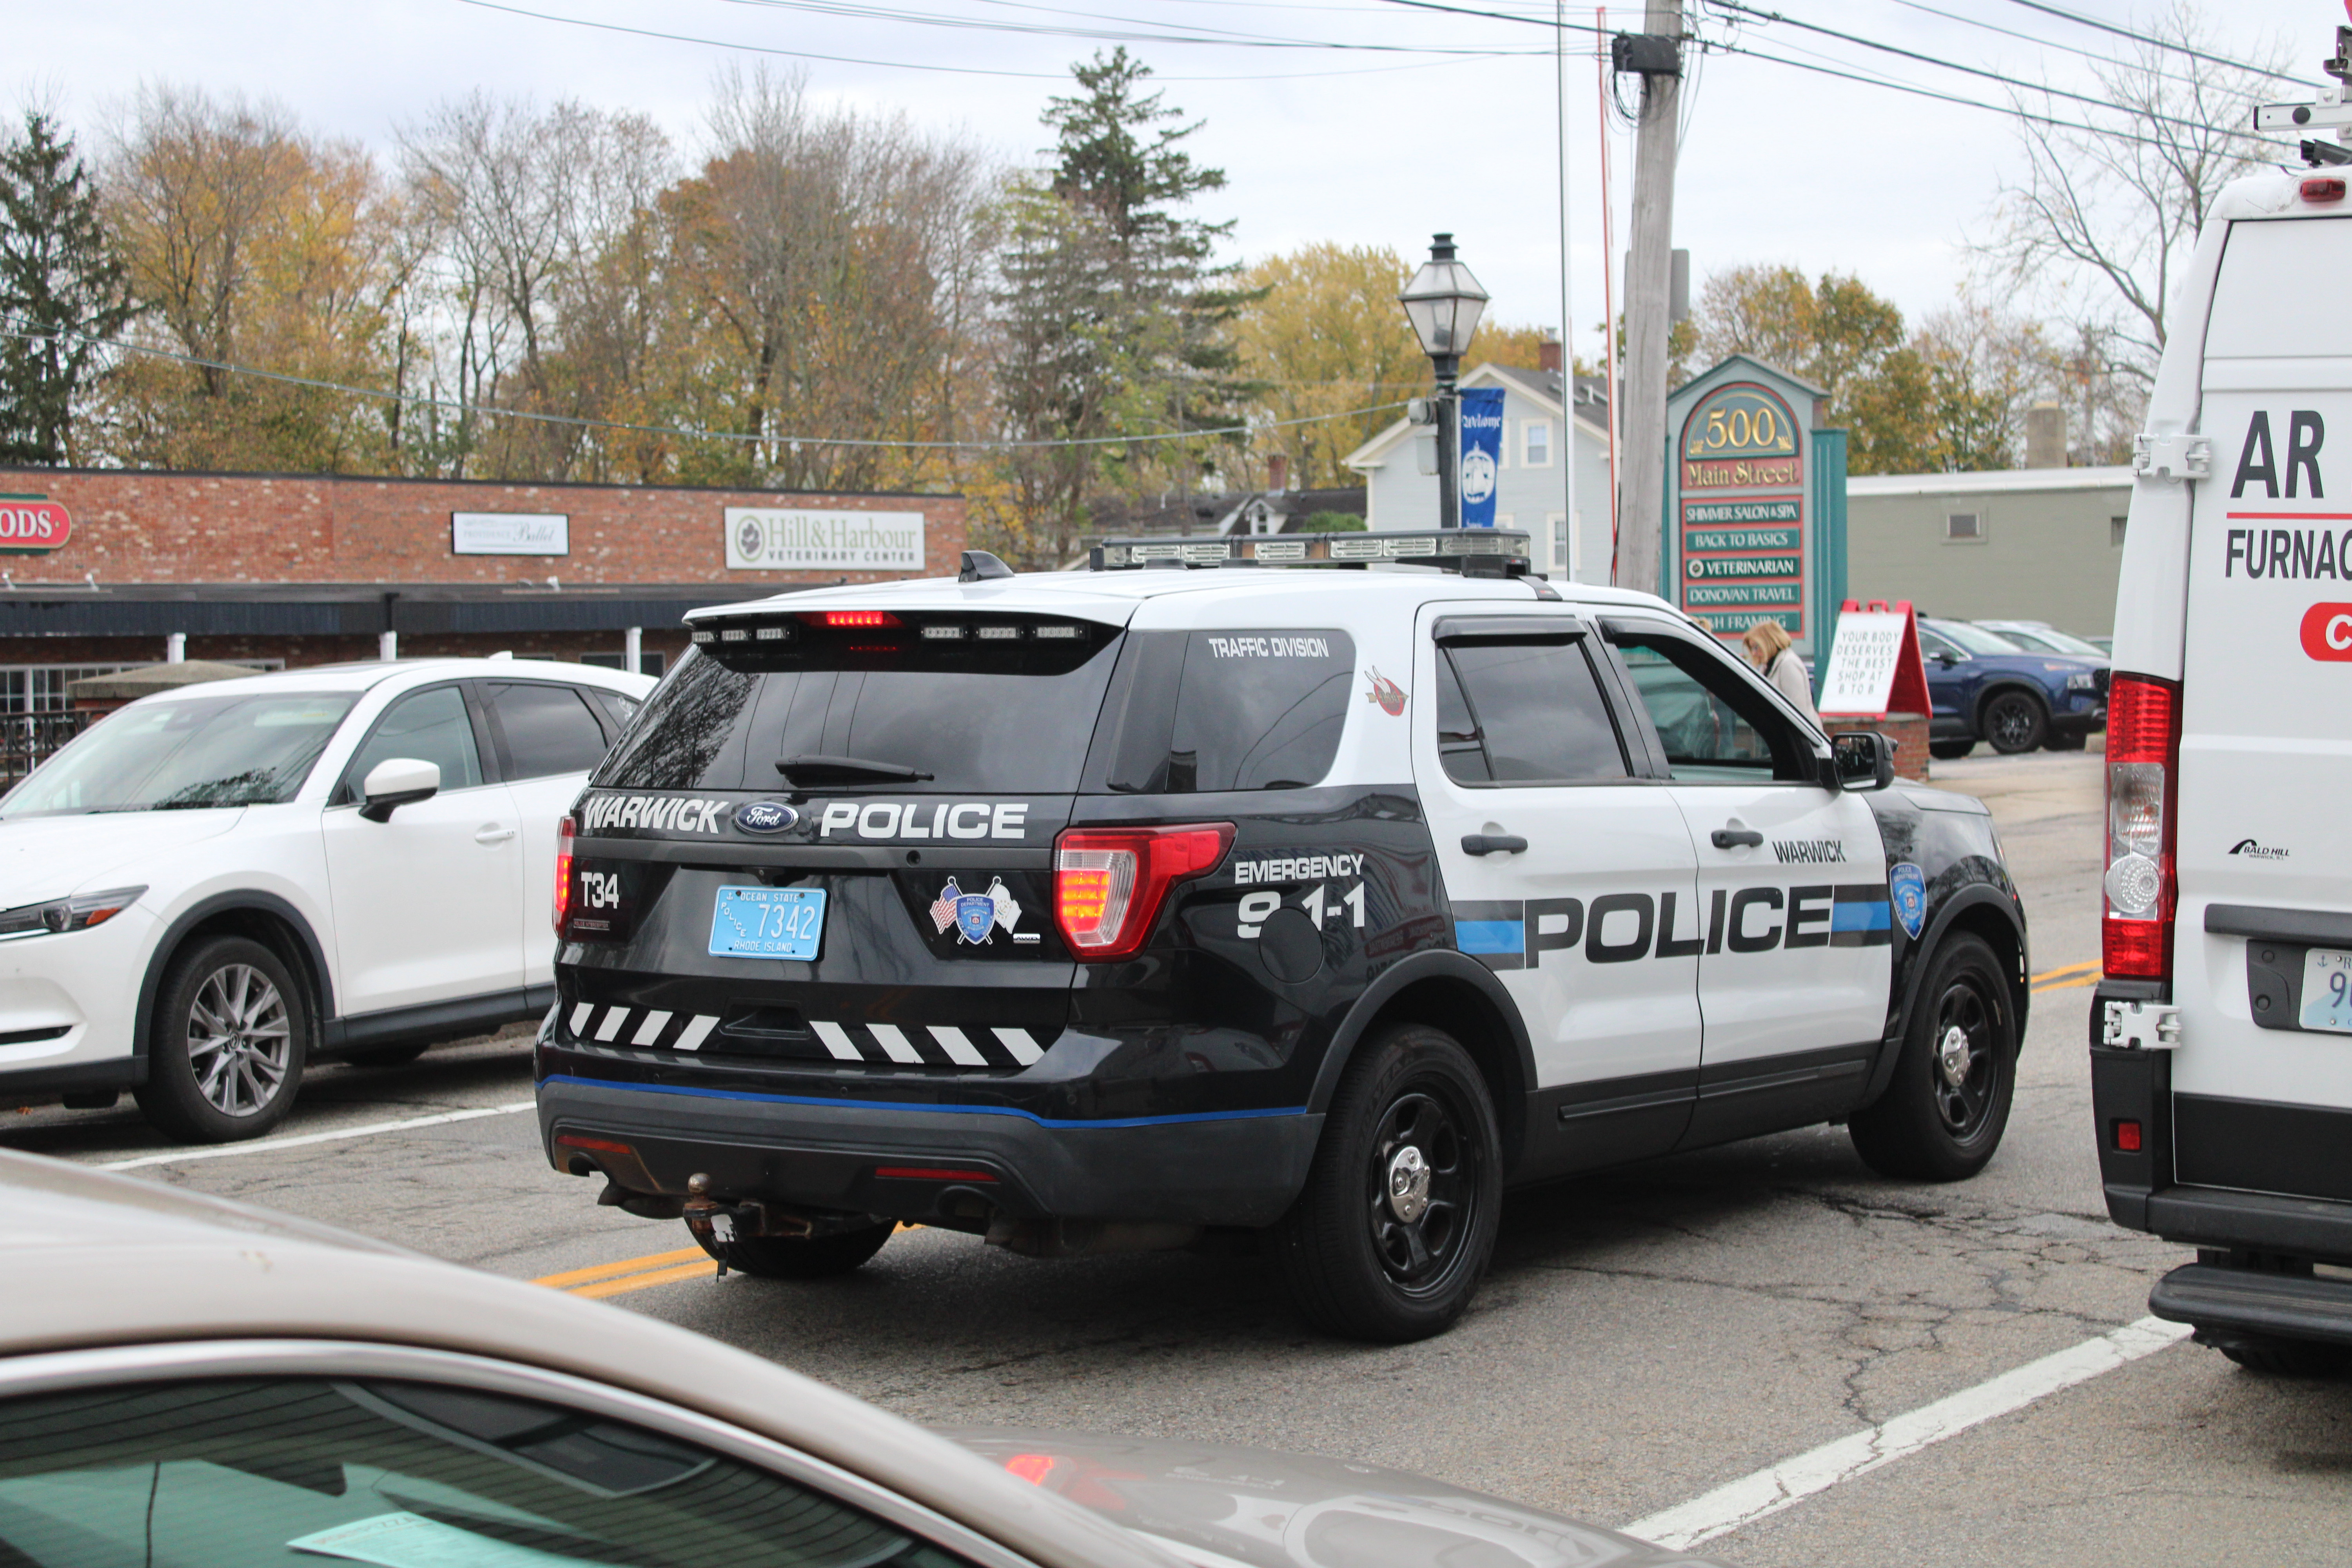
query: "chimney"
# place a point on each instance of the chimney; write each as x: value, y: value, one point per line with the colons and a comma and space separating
x: 1548, y: 355
x: 2045, y: 436
x: 1278, y: 472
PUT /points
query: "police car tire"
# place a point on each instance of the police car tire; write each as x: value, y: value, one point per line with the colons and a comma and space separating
x: 210, y: 971
x: 1418, y: 1081
x: 815, y: 1258
x: 1909, y: 1132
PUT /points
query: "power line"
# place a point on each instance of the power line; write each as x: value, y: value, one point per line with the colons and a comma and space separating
x: 16, y: 329
x: 954, y: 71
x: 1232, y: 39
x: 2082, y: 21
x: 1974, y: 70
x: 2040, y: 42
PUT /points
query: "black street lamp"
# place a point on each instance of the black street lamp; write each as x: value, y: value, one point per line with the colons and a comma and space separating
x: 1443, y: 303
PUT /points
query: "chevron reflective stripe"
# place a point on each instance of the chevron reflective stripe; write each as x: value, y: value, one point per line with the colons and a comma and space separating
x: 895, y: 1044
x: 960, y: 1050
x: 1024, y: 1049
x: 907, y: 1044
x: 836, y: 1040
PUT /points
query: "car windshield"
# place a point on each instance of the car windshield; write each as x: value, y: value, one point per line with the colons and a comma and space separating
x: 188, y: 752
x: 1976, y: 640
x: 2049, y: 639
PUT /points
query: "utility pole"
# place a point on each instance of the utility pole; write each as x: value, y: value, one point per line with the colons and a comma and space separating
x: 1568, y: 557
x: 1641, y: 505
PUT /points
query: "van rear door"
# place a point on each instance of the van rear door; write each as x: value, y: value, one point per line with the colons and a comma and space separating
x: 2262, y: 947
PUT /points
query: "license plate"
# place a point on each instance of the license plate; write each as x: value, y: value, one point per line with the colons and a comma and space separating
x: 2326, y: 990
x: 766, y: 922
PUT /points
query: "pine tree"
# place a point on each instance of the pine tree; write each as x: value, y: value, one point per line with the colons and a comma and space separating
x: 1111, y: 304
x: 61, y: 286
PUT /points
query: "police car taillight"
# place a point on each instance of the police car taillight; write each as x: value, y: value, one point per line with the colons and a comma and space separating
x: 562, y: 907
x: 2143, y: 774
x: 1108, y: 883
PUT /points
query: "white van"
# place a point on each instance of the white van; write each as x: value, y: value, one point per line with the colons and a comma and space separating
x: 2221, y: 1038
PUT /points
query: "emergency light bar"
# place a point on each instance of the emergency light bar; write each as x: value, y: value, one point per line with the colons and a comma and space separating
x: 1478, y: 552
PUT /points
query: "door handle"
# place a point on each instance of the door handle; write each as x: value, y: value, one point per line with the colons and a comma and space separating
x: 1736, y: 839
x: 1493, y: 844
x: 491, y: 833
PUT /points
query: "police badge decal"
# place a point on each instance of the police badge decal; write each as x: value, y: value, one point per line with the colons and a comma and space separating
x: 976, y: 917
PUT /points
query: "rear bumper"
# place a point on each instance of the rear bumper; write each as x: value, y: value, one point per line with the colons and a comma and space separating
x: 1226, y: 1169
x: 2239, y: 1300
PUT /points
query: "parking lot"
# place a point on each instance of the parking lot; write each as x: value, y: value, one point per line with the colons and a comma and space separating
x: 1646, y: 1337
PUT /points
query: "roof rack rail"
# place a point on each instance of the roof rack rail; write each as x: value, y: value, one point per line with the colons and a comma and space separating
x: 1472, y: 552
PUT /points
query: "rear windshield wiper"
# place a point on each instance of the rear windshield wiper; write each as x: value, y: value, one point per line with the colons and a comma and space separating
x: 822, y: 769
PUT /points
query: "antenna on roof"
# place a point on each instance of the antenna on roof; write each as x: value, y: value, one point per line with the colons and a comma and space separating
x: 2329, y: 110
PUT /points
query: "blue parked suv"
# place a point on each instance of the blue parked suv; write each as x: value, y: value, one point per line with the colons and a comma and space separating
x: 1985, y: 687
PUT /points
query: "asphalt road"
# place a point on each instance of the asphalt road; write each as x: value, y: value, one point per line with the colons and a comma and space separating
x: 1645, y: 1336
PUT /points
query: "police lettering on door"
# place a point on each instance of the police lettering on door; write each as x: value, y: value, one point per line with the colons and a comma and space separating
x: 1619, y: 928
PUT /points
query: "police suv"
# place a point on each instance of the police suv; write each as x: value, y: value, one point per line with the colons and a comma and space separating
x: 1299, y: 906
x: 2222, y: 1074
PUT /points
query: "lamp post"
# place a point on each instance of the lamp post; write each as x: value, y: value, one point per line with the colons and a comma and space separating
x: 1443, y: 303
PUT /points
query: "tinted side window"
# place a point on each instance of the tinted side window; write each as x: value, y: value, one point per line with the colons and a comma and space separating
x: 679, y: 735
x: 1535, y: 710
x: 548, y: 730
x: 236, y: 1472
x: 431, y: 726
x: 1714, y: 723
x: 1256, y: 709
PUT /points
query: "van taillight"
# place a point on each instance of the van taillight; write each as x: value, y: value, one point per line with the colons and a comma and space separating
x: 564, y: 831
x: 1108, y: 883
x: 2143, y: 778
x: 2323, y: 188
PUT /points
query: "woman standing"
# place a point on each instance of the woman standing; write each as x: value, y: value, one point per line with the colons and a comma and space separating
x: 1768, y: 651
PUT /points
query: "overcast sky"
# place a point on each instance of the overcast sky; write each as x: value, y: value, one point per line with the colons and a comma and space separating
x: 1778, y: 163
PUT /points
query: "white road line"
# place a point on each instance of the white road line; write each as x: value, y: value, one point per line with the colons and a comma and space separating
x: 268, y: 1145
x: 1768, y: 1490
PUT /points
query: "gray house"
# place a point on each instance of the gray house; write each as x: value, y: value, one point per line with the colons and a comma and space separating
x: 1400, y: 470
x: 2026, y: 544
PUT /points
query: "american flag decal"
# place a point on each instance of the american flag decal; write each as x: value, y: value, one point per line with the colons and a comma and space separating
x: 943, y: 907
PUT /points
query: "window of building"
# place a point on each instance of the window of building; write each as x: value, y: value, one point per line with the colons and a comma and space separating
x: 1560, y: 563
x: 651, y: 661
x: 1964, y: 526
x: 2115, y: 531
x: 1536, y: 442
x: 41, y: 687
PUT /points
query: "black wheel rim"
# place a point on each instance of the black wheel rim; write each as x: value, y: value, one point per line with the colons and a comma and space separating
x: 2013, y: 722
x: 1421, y: 1188
x: 1963, y: 1060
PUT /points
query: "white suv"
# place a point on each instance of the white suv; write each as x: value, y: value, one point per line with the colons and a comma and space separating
x: 213, y: 886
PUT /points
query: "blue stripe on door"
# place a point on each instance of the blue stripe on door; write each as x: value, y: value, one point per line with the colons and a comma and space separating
x: 1491, y: 936
x: 1856, y: 914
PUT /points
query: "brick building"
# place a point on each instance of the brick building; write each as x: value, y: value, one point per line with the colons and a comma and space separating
x: 289, y: 570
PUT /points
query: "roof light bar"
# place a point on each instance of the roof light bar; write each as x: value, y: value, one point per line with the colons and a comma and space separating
x: 1500, y: 550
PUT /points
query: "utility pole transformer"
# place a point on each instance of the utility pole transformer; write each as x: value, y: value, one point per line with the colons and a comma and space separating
x: 1656, y: 58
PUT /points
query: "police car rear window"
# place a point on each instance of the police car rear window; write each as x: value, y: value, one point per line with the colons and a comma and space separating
x: 1255, y: 708
x: 992, y: 713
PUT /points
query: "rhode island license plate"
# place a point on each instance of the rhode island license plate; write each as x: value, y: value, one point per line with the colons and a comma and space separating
x: 766, y: 922
x: 2326, y: 990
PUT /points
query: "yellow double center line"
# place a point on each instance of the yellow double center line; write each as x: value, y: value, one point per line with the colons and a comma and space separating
x: 2068, y: 978
x: 632, y: 1274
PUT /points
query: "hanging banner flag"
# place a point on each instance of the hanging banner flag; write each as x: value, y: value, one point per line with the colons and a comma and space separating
x: 1482, y: 454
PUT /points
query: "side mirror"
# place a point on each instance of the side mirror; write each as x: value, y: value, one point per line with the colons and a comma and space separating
x: 395, y: 781
x: 1861, y: 760
x: 1946, y: 660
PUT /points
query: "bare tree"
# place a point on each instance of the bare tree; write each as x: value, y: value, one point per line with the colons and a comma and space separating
x: 2103, y: 221
x: 518, y: 205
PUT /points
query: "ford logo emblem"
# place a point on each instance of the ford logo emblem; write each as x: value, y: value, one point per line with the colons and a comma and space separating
x: 765, y: 817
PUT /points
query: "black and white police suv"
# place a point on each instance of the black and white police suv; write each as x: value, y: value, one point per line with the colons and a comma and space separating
x: 1143, y: 907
